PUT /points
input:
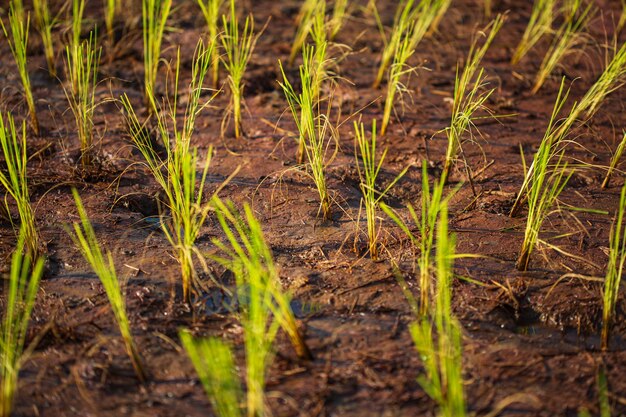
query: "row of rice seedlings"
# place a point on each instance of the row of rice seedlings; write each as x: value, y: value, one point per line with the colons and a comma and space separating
x: 211, y: 10
x: 176, y: 171
x: 548, y: 179
x: 470, y: 96
x: 85, y: 239
x: 15, y: 182
x: 368, y: 174
x: 338, y: 18
x: 432, y: 201
x: 304, y: 21
x: 567, y: 38
x: 540, y: 23
x: 19, y: 24
x: 614, y: 269
x: 45, y: 23
x: 20, y: 295
x: 437, y: 337
x: 615, y: 160
x: 316, y: 134
x: 263, y: 309
x: 82, y: 62
x: 610, y: 80
x: 154, y: 18
x: 238, y: 45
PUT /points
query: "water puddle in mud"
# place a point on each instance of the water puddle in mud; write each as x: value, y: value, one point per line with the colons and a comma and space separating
x: 224, y: 301
x: 569, y: 335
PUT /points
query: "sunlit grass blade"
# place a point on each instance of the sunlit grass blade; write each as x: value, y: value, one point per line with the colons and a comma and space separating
x: 470, y: 95
x: 614, y: 269
x: 175, y: 172
x: 19, y: 24
x: 249, y: 255
x: 211, y: 10
x: 368, y: 175
x: 19, y: 293
x: 614, y: 161
x: 14, y: 180
x: 540, y: 23
x: 85, y: 239
x: 45, y: 24
x: 569, y: 36
x: 154, y: 18
x: 238, y: 47
x: 442, y: 354
x: 213, y: 361
x: 82, y: 64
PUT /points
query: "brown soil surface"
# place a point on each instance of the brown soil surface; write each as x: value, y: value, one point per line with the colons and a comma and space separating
x: 529, y: 334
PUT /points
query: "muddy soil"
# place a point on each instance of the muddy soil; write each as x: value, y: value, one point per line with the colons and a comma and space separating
x: 532, y: 337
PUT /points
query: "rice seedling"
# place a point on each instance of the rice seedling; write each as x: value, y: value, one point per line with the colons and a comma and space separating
x: 112, y: 9
x: 154, y: 18
x: 211, y: 12
x: 401, y: 23
x: 213, y: 361
x: 82, y: 67
x: 45, y: 23
x: 567, y: 38
x: 440, y: 12
x: 540, y: 23
x: 470, y: 96
x: 263, y: 306
x: 250, y: 258
x: 316, y: 134
x: 20, y: 295
x: 368, y: 175
x: 85, y: 239
x: 338, y: 18
x: 614, y: 161
x: 15, y: 182
x: 549, y: 177
x: 442, y: 355
x: 306, y: 18
x: 19, y: 24
x: 432, y: 201
x: 614, y: 269
x: 176, y: 171
x: 238, y: 45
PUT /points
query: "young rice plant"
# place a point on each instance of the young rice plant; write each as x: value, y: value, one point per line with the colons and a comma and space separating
x: 85, y: 239
x: 614, y: 269
x: 45, y: 24
x: 176, y: 171
x: 20, y: 295
x: 19, y: 25
x: 442, y: 355
x: 470, y: 96
x: 615, y: 160
x: 540, y: 23
x: 238, y: 46
x: 82, y: 67
x: 211, y: 12
x: 315, y: 132
x: 154, y: 18
x: 368, y: 174
x: 15, y: 182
